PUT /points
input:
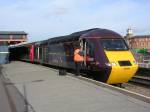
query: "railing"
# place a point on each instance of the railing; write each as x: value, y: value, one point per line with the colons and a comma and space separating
x: 143, y: 60
x: 144, y: 65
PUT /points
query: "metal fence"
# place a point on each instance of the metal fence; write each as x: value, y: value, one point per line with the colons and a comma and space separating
x: 143, y: 60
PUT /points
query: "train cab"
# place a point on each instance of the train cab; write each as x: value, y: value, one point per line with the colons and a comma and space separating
x: 109, y: 55
x: 121, y: 60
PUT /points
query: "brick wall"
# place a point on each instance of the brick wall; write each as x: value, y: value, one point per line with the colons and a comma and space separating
x: 140, y: 42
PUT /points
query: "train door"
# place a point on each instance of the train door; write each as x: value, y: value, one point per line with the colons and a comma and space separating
x: 35, y: 53
x: 40, y: 54
x: 88, y: 51
x: 83, y: 45
x: 31, y: 55
x: 45, y: 53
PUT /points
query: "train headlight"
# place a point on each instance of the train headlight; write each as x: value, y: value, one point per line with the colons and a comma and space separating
x: 111, y: 64
x: 135, y: 62
x: 108, y: 64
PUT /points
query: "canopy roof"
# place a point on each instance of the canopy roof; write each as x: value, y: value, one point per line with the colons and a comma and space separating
x: 13, y: 33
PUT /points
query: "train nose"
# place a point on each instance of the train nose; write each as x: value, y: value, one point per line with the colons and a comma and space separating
x: 123, y: 66
x: 121, y: 74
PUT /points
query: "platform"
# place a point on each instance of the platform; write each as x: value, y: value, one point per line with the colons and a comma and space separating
x: 48, y: 92
x: 4, y: 102
x: 10, y: 98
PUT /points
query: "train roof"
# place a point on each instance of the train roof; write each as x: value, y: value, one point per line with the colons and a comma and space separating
x: 90, y: 33
x: 101, y: 33
x: 28, y: 44
x: 20, y: 45
x: 73, y: 36
x: 95, y: 32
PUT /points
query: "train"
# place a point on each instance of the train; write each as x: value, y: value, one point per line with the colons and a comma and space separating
x: 112, y: 61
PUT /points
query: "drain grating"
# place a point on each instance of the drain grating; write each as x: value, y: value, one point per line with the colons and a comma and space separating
x: 37, y: 80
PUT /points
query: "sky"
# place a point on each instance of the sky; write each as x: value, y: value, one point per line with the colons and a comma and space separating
x: 43, y: 19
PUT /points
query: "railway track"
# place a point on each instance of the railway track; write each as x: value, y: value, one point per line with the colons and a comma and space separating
x: 142, y: 80
x: 143, y: 72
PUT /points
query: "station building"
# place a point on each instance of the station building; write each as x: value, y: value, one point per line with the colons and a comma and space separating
x: 9, y: 38
x: 12, y: 37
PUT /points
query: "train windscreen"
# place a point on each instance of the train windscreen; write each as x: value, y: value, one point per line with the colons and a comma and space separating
x: 114, y: 44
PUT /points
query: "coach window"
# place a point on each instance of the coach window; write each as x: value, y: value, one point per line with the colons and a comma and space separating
x: 68, y: 48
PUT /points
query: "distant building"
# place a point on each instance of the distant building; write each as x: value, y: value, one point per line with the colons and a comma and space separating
x: 137, y: 41
x: 12, y: 37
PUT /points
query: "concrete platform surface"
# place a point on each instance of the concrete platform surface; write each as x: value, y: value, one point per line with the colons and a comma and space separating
x: 10, y: 98
x: 4, y: 101
x: 49, y: 92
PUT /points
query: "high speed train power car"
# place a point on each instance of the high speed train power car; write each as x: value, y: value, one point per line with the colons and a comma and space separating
x: 112, y: 63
